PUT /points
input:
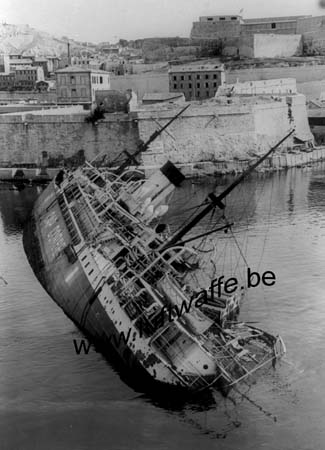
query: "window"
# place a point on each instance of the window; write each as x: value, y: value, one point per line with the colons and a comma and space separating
x: 273, y: 25
x: 190, y: 85
x: 207, y: 76
x: 74, y: 92
x: 215, y: 85
x: 175, y: 86
x: 198, y: 85
x: 234, y: 18
x: 174, y: 77
x: 210, y: 18
x: 101, y: 80
x: 198, y: 93
x: 207, y: 93
x: 190, y: 77
x: 83, y: 92
x: 222, y: 18
x: 72, y: 79
x: 197, y: 77
x: 182, y: 77
x: 181, y: 85
x: 206, y: 85
x: 214, y: 76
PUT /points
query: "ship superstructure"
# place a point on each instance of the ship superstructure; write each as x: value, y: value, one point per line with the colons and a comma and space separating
x: 94, y: 245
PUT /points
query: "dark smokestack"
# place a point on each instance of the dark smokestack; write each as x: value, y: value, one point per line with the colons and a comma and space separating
x: 69, y: 59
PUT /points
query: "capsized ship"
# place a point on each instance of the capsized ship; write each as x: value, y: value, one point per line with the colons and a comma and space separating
x: 94, y: 245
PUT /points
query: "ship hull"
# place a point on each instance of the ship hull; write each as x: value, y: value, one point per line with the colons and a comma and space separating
x: 79, y: 301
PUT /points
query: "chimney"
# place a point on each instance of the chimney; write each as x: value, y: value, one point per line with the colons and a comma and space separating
x: 69, y: 57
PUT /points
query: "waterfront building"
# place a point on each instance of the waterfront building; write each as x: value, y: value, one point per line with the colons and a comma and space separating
x: 78, y: 85
x: 196, y: 82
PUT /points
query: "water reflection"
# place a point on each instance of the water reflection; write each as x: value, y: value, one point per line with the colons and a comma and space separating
x: 15, y: 206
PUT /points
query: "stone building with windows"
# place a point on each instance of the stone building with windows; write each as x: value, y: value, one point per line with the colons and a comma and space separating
x: 78, y: 85
x: 26, y: 77
x: 22, y: 78
x: 196, y: 82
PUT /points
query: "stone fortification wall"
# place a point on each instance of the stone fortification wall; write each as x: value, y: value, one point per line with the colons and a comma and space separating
x: 211, y: 30
x: 280, y: 86
x: 7, y: 96
x: 314, y: 43
x: 302, y: 74
x: 205, y: 132
x: 24, y: 137
x: 273, y: 121
x: 312, y: 30
x: 239, y: 46
x: 277, y: 45
x: 263, y: 45
x: 210, y: 132
x: 281, y: 27
x: 202, y: 133
x: 310, y: 24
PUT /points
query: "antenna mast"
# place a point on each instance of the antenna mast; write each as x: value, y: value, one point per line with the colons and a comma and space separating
x: 217, y: 200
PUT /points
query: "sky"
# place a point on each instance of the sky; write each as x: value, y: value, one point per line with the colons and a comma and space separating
x: 108, y: 20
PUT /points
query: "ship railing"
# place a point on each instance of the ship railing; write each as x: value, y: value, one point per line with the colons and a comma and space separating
x: 161, y: 261
x: 131, y: 186
x: 94, y: 175
x: 158, y: 267
x: 127, y: 283
x: 130, y: 172
x: 88, y: 203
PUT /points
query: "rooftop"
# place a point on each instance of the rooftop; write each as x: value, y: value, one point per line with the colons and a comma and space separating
x: 21, y: 61
x: 197, y: 68
x: 78, y: 69
x: 161, y: 96
x: 26, y: 67
x: 68, y: 110
x: 274, y: 19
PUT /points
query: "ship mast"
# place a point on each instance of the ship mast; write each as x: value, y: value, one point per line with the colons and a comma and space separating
x: 145, y: 145
x: 217, y: 200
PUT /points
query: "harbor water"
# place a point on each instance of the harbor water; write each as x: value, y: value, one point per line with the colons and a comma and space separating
x: 53, y: 398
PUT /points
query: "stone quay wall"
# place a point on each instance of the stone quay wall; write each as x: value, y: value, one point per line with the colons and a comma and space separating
x: 25, y: 136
